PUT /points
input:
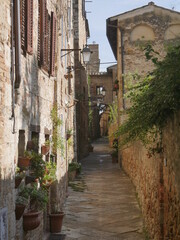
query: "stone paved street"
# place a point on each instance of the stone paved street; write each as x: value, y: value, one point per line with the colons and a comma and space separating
x: 104, y: 205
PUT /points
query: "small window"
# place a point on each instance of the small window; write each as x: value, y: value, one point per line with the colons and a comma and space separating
x: 99, y: 90
x: 21, y: 143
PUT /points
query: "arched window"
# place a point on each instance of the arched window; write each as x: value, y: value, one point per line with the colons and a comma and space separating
x: 172, y: 32
x: 142, y: 33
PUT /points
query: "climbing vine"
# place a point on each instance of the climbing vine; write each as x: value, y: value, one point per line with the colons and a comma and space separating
x: 57, y: 139
x: 113, y: 112
x: 154, y: 99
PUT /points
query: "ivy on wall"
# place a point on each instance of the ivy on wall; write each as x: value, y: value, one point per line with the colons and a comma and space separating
x: 154, y: 100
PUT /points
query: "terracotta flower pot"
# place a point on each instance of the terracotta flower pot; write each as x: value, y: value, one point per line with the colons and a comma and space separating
x: 17, y: 181
x: 24, y: 162
x: 19, y: 210
x: 56, y: 222
x: 71, y: 175
x: 44, y: 149
x: 31, y: 220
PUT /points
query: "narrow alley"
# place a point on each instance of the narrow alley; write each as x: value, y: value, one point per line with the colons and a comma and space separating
x: 105, y: 205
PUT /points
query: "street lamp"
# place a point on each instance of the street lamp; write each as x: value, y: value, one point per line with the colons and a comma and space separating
x: 86, y: 53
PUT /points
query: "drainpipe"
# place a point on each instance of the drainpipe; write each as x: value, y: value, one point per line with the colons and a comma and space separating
x: 122, y: 66
x: 12, y: 65
x: 17, y: 44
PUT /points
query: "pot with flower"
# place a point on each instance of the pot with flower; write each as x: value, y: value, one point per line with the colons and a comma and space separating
x: 24, y: 161
x: 73, y: 169
x: 38, y: 198
x: 37, y: 168
x: 19, y: 175
x: 45, y: 148
x: 21, y: 202
x: 49, y: 174
x: 56, y: 220
x: 116, y: 85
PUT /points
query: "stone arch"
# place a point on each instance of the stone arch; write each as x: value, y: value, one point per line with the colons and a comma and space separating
x: 142, y: 33
x: 172, y: 32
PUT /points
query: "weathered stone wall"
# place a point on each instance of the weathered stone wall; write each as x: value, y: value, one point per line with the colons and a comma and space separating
x: 157, y: 182
x: 34, y: 100
x: 155, y: 177
x: 81, y: 79
x: 171, y: 168
x: 7, y: 139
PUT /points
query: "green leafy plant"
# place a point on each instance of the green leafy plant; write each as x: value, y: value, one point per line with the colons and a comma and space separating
x: 113, y: 113
x: 38, y: 197
x: 57, y: 140
x: 19, y: 173
x: 50, y: 172
x: 74, y: 166
x: 38, y: 166
x: 154, y: 100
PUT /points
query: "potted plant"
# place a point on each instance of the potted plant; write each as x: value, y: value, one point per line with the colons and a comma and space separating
x: 24, y: 161
x: 49, y: 175
x: 38, y: 166
x: 38, y: 199
x: 56, y: 219
x: 21, y: 202
x: 68, y: 133
x: 116, y: 85
x: 19, y: 175
x: 73, y: 169
x: 45, y: 148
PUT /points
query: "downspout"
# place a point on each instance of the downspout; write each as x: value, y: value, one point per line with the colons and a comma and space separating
x: 12, y: 64
x: 18, y: 44
x: 122, y: 66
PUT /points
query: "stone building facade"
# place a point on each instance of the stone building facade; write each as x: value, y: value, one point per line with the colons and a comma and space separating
x: 81, y: 30
x: 33, y: 68
x: 156, y: 178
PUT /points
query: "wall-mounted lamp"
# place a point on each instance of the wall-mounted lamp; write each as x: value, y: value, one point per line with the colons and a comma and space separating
x: 86, y: 52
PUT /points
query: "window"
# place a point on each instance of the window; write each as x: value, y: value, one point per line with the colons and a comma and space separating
x: 27, y: 26
x: 21, y: 143
x: 99, y: 90
x: 46, y: 38
x: 53, y: 44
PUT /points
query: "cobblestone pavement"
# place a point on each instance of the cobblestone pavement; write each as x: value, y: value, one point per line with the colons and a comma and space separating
x: 103, y: 205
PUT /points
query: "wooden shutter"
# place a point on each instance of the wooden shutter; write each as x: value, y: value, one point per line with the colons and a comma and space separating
x: 42, y: 30
x: 23, y: 25
x: 53, y: 44
x: 29, y: 26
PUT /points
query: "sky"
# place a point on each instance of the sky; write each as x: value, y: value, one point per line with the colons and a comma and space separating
x: 99, y: 10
